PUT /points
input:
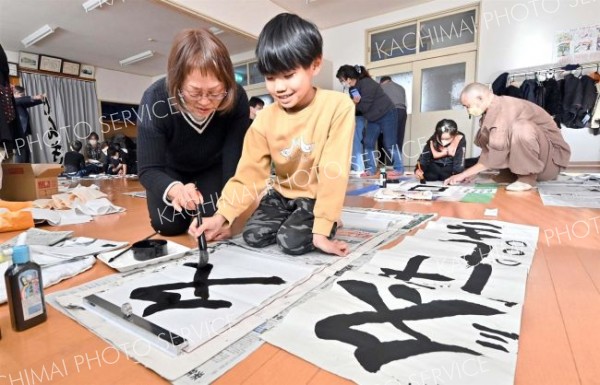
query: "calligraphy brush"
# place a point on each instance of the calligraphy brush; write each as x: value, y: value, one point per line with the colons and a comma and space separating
x: 202, y: 247
x: 129, y: 248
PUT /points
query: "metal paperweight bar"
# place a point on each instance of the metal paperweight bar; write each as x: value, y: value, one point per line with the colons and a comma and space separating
x: 124, y: 314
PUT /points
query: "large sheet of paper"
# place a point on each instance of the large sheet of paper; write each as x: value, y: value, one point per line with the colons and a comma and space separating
x: 376, y: 330
x: 441, y: 307
x: 187, y: 301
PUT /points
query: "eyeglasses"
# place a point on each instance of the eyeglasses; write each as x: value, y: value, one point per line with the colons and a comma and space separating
x: 213, y: 97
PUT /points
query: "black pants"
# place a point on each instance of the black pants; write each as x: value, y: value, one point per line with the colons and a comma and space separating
x: 166, y: 221
x: 287, y: 222
x: 436, y: 171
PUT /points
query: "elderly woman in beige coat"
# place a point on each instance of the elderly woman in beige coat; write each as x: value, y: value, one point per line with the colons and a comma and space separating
x: 516, y: 136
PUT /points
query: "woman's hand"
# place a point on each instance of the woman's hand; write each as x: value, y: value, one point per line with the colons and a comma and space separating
x: 356, y: 99
x: 184, y: 196
x: 212, y: 227
x: 328, y: 246
x: 455, y: 179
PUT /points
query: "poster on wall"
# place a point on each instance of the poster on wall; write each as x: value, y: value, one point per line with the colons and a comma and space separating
x: 577, y: 45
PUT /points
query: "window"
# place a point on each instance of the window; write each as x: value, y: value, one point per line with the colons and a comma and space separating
x: 447, y: 31
x: 441, y: 87
x: 394, y: 43
x: 247, y: 74
x: 422, y: 36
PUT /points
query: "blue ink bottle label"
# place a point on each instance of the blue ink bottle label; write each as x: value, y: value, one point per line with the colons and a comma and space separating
x: 31, y: 296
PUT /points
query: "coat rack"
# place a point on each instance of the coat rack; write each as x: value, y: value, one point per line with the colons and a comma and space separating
x: 552, y: 71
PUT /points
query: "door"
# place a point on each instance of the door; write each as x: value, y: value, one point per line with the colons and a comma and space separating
x: 401, y: 74
x: 437, y: 85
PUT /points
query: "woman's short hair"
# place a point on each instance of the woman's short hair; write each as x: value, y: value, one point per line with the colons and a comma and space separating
x: 287, y: 42
x: 199, y: 49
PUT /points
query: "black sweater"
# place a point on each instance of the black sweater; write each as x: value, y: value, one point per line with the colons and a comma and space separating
x: 374, y: 103
x: 167, y: 142
x: 73, y: 162
x: 457, y: 161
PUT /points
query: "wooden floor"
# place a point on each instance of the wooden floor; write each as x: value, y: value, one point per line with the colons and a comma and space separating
x: 560, y: 334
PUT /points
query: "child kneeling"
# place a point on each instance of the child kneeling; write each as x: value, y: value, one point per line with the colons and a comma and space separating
x: 444, y: 153
x: 307, y: 133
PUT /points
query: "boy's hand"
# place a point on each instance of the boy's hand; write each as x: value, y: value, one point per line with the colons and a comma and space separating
x: 328, y: 246
x: 212, y: 227
x: 184, y: 197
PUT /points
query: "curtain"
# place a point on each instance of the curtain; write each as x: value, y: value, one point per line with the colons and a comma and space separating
x: 70, y: 113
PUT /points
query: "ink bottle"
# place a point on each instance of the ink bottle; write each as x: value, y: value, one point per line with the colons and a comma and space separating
x: 382, y: 178
x: 24, y: 290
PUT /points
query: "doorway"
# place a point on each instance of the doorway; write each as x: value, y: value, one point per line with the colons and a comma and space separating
x: 433, y: 88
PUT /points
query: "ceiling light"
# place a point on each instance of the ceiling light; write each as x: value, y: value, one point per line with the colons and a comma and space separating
x: 90, y: 5
x: 37, y: 35
x: 136, y: 58
x: 215, y: 30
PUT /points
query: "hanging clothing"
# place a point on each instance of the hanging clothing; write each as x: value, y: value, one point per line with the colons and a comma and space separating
x: 572, y: 99
x: 596, y: 113
x: 588, y: 100
x: 552, y: 100
x: 530, y: 91
x: 514, y: 91
x: 499, y: 85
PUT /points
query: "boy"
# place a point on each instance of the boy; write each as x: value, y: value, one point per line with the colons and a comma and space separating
x: 74, y: 162
x: 307, y: 133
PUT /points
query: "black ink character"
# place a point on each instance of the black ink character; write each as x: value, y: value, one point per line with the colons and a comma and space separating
x: 475, y: 284
x: 371, y: 353
x: 164, y: 299
x: 496, y: 335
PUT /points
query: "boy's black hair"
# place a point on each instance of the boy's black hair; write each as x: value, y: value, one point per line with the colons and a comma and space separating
x: 76, y: 145
x: 385, y: 78
x: 287, y: 42
x: 256, y: 101
x: 20, y: 89
x: 112, y: 151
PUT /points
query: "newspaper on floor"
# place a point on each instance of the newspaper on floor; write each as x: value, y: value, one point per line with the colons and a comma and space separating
x: 229, y: 346
x: 572, y: 190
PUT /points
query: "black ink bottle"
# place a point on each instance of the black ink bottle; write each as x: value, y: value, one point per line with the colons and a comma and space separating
x: 24, y: 291
x: 382, y: 178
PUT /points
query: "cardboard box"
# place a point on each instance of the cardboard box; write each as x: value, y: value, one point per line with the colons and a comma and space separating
x: 28, y: 182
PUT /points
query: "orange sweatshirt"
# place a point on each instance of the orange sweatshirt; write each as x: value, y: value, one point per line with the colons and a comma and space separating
x: 311, y: 151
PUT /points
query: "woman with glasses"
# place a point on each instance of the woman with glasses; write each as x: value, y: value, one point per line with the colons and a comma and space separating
x: 191, y: 127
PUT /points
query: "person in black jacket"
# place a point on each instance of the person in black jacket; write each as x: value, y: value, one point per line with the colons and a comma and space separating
x: 380, y: 113
x: 191, y: 127
x: 9, y: 123
x: 74, y: 161
x: 444, y: 153
x: 23, y: 102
